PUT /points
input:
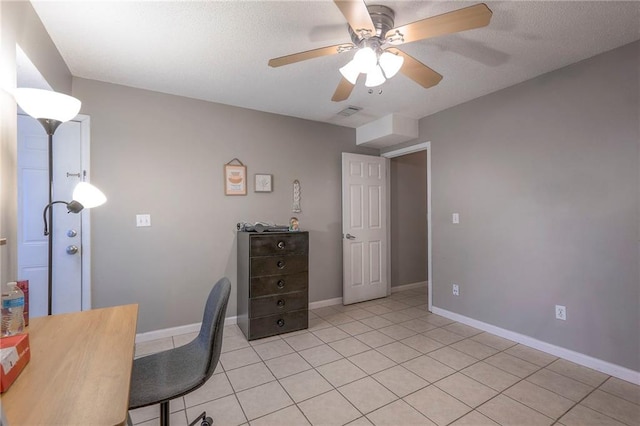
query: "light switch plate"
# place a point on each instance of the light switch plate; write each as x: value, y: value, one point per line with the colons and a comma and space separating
x: 455, y: 218
x: 143, y: 220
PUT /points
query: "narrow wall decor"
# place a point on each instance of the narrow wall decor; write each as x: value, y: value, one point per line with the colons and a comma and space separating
x: 235, y: 178
x: 296, y: 196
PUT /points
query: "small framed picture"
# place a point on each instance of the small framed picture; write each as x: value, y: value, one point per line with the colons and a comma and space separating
x: 263, y: 183
x: 235, y: 180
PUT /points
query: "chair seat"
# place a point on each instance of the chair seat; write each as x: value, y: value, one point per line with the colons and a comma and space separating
x: 167, y: 375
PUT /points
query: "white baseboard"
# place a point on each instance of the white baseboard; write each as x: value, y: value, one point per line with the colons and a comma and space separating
x: 325, y: 303
x: 176, y: 331
x: 573, y: 356
x: 403, y: 287
x: 338, y: 300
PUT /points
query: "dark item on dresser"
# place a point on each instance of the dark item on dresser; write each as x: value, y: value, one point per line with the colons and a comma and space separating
x: 273, y: 283
x: 261, y: 227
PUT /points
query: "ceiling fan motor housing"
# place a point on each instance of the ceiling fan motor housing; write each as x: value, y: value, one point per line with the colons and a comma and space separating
x: 382, y: 18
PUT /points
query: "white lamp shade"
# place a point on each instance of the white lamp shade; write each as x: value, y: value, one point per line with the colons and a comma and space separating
x: 375, y: 77
x: 40, y: 103
x: 88, y: 195
x: 390, y: 63
x: 351, y: 71
x: 366, y: 59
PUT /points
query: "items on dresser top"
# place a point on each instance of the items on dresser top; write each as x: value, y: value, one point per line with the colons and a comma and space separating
x: 273, y: 283
x: 261, y: 227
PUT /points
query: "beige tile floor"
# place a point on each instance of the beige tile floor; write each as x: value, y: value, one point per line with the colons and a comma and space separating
x: 390, y: 362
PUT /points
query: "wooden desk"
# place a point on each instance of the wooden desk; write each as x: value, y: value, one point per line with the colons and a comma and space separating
x: 80, y: 370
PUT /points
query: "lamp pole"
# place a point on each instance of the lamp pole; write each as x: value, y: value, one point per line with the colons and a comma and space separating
x: 50, y: 127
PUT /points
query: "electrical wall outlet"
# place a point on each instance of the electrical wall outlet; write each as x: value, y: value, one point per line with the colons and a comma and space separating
x: 455, y: 218
x: 143, y: 220
x: 561, y: 312
x: 456, y: 290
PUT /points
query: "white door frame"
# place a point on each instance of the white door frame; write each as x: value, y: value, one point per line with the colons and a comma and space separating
x: 424, y: 146
x: 85, y: 126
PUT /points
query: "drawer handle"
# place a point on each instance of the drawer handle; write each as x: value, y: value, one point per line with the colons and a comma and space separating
x: 280, y: 322
x: 280, y: 303
x: 281, y: 244
x: 280, y: 264
x: 280, y: 284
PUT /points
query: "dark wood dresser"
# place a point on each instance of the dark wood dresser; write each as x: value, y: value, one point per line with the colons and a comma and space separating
x: 273, y: 283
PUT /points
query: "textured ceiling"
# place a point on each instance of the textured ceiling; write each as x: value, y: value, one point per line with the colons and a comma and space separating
x: 218, y: 50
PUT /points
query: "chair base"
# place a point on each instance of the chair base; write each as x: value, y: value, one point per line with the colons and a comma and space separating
x: 206, y: 421
x: 165, y: 414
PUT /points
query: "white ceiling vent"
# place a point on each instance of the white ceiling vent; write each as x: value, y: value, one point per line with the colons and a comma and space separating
x: 349, y: 111
x: 387, y: 131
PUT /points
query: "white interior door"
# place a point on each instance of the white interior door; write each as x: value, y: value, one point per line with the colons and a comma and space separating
x: 67, y: 228
x: 364, y: 227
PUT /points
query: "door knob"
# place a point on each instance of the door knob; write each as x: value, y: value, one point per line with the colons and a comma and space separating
x: 72, y: 249
x: 350, y: 237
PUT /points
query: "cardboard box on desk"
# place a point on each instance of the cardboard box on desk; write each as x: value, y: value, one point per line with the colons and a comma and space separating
x: 14, y: 356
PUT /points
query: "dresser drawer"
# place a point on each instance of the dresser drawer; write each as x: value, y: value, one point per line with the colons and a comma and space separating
x: 278, y: 265
x: 271, y: 305
x: 278, y: 284
x: 276, y: 324
x: 280, y: 244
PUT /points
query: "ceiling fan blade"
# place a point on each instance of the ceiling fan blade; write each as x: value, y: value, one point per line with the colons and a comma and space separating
x: 343, y: 91
x: 310, y: 54
x: 452, y: 22
x: 357, y: 15
x: 416, y: 70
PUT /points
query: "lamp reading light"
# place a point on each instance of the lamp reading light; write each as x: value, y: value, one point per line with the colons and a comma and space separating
x: 88, y: 195
x: 85, y: 196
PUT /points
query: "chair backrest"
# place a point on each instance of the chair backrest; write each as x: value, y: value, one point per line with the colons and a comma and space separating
x: 210, y: 336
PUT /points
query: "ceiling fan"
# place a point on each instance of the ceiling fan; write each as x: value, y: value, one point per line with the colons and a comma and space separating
x: 373, y: 36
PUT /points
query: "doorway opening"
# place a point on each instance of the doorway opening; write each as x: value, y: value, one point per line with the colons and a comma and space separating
x: 410, y: 217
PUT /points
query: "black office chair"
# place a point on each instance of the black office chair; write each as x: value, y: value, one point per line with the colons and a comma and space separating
x: 163, y: 376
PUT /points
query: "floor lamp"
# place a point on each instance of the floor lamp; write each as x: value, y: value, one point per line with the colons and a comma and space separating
x: 52, y: 109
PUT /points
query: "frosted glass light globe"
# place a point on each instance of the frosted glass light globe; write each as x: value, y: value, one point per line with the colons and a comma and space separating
x: 40, y: 103
x: 88, y: 195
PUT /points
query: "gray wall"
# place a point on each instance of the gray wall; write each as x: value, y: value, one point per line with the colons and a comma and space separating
x: 408, y: 219
x: 164, y: 155
x: 545, y: 176
x: 19, y: 24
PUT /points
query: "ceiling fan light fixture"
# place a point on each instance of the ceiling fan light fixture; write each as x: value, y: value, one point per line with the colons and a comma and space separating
x: 351, y: 71
x: 390, y: 63
x: 375, y: 77
x: 365, y: 59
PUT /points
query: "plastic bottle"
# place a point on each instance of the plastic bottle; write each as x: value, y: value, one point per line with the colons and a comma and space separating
x: 12, y: 310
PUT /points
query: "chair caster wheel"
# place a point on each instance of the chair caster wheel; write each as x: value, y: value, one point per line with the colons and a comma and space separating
x: 208, y: 421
